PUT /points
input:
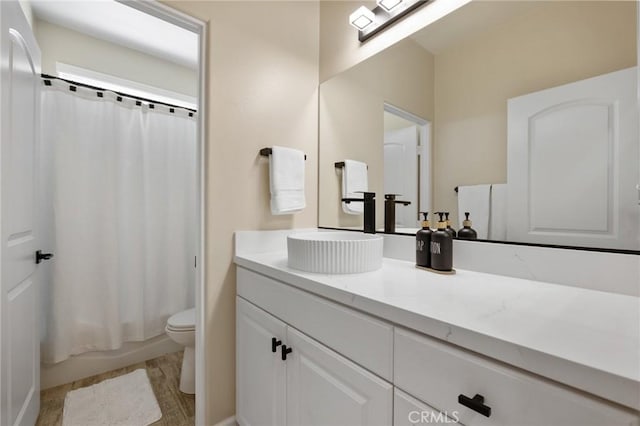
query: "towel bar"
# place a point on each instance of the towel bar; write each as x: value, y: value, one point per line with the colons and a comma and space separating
x: 340, y: 165
x: 265, y: 152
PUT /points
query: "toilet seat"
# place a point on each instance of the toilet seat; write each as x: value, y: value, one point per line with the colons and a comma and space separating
x: 183, y: 321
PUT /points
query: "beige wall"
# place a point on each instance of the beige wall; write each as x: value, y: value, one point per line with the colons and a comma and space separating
x: 262, y: 91
x: 339, y: 45
x: 60, y: 44
x: 549, y: 46
x: 352, y: 125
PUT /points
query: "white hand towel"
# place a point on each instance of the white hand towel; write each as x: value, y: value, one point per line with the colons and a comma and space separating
x: 286, y: 178
x: 498, y: 215
x: 355, y: 180
x: 475, y: 199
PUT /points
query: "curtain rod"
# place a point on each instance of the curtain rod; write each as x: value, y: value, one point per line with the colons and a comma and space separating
x: 126, y: 95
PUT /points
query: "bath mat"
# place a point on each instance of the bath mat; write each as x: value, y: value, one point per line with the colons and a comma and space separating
x: 122, y: 401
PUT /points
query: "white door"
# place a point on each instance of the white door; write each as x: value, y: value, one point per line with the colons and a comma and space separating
x: 260, y: 370
x: 19, y: 337
x: 401, y: 172
x: 324, y: 388
x: 572, y: 164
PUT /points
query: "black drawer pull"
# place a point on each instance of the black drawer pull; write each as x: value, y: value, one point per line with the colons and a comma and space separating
x: 476, y: 404
x: 285, y: 350
x: 40, y: 256
x: 275, y: 343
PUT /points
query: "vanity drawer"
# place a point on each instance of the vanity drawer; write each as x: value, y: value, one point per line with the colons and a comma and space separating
x: 362, y: 338
x: 438, y: 373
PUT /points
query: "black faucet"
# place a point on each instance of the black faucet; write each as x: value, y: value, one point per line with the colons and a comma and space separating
x: 390, y: 212
x: 369, y: 201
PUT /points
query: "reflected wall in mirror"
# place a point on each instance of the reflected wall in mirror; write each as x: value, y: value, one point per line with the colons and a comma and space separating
x: 529, y: 108
x: 352, y: 124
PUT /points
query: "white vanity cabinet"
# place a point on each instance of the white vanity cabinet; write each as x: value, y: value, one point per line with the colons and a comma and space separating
x: 361, y: 338
x: 345, y: 367
x: 287, y: 378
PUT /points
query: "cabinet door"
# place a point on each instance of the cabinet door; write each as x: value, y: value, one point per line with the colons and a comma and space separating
x: 260, y: 373
x: 324, y: 388
x: 409, y: 411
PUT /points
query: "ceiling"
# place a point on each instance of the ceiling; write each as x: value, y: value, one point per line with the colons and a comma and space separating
x: 120, y: 24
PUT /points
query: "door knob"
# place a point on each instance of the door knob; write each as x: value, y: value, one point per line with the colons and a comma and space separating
x: 40, y: 256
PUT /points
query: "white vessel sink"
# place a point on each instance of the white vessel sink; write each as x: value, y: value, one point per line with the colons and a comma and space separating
x: 335, y: 252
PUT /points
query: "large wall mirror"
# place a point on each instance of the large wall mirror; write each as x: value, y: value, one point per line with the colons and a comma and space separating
x: 522, y: 113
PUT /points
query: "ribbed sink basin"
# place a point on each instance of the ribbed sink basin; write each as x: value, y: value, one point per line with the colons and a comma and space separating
x: 335, y: 252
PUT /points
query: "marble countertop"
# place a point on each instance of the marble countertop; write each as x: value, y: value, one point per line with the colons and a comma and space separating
x: 587, y: 339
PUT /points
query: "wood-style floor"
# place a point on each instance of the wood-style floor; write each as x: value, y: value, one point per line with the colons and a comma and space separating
x: 178, y: 409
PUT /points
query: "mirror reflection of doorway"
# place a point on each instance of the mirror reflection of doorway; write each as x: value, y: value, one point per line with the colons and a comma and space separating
x: 407, y: 170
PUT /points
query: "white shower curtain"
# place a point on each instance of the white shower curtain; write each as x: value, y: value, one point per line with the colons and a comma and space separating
x: 121, y: 204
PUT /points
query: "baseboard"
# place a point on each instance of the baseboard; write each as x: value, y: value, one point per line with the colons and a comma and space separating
x: 91, y: 363
x: 231, y: 421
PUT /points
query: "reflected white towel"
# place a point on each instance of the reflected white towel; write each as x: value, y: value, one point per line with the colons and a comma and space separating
x: 355, y: 180
x: 498, y: 215
x: 286, y: 178
x: 475, y: 199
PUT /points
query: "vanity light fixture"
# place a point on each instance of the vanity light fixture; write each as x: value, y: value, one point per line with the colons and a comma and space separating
x: 389, y: 4
x: 361, y: 18
x: 371, y: 22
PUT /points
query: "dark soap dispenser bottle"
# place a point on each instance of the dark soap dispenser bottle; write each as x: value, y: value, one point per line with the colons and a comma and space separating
x: 423, y: 243
x: 467, y: 232
x: 450, y: 230
x: 441, y: 247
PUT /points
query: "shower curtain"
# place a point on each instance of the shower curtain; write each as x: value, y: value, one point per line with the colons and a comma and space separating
x: 120, y: 213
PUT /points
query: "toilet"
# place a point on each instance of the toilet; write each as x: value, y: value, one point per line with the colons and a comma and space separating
x: 181, y: 328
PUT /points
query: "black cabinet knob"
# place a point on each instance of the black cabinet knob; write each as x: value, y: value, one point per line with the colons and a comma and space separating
x: 275, y: 343
x: 285, y: 350
x: 40, y: 256
x: 476, y: 404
